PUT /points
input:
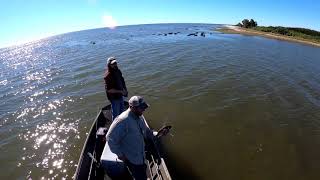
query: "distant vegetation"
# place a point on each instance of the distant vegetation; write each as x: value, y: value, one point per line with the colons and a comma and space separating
x: 287, y: 31
x: 248, y: 24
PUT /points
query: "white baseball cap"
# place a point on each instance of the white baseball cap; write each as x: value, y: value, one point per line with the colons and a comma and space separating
x: 138, y: 101
x: 111, y: 60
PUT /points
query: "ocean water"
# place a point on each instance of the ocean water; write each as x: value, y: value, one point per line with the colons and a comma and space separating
x: 241, y: 107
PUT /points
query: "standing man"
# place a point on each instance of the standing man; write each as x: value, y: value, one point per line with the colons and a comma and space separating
x: 115, y: 87
x: 126, y: 137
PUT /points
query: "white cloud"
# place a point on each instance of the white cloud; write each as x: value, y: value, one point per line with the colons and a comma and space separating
x: 109, y: 22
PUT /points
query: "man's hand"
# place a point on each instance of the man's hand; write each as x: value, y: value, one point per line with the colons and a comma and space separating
x: 115, y: 91
x: 125, y: 93
x: 164, y: 131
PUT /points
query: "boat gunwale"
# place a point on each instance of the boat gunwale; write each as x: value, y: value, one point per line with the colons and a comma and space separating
x: 94, y: 125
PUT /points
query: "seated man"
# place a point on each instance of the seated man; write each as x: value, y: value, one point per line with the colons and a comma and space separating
x: 126, y: 137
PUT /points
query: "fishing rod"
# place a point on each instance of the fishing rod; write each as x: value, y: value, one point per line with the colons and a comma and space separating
x: 153, y: 95
x: 166, y: 96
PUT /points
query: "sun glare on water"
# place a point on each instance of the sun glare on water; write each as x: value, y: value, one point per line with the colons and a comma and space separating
x: 25, y: 40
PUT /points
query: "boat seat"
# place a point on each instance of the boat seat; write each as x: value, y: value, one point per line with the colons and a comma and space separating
x: 113, y: 166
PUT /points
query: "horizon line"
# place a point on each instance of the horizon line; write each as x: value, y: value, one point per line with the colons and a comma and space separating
x: 63, y: 33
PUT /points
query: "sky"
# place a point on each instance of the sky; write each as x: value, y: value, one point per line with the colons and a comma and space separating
x: 26, y: 20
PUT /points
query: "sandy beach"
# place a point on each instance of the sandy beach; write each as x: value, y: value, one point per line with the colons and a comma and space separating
x: 230, y: 29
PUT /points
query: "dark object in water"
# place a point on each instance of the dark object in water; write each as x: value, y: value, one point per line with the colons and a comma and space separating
x: 193, y: 34
x: 90, y: 167
x: 92, y: 42
x: 203, y: 34
x: 170, y: 33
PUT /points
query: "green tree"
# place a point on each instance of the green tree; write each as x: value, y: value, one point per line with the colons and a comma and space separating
x: 245, y: 23
x: 253, y: 23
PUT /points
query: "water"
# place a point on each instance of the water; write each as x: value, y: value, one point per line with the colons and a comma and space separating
x: 241, y: 107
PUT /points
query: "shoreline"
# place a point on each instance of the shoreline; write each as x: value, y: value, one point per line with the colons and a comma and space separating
x: 230, y: 29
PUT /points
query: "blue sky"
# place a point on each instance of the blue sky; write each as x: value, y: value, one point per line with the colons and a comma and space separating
x: 26, y: 20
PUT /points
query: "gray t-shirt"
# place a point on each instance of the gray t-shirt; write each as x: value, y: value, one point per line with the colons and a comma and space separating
x: 126, y: 136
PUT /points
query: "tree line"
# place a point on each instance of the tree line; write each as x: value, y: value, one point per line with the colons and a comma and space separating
x: 287, y: 31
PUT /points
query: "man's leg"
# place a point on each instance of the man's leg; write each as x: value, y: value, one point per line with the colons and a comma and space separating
x: 115, y: 108
x: 138, y: 171
x: 121, y: 105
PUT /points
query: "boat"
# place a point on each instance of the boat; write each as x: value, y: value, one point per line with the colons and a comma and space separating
x: 98, y: 162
